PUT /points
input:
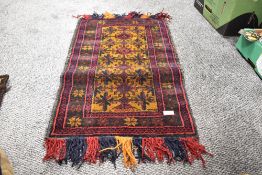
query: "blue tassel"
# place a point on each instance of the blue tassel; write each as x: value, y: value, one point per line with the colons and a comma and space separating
x: 153, y: 16
x: 96, y: 16
x: 177, y: 147
x: 137, y: 141
x: 75, y: 150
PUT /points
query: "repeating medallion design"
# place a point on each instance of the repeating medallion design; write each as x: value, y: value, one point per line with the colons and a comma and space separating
x: 124, y: 80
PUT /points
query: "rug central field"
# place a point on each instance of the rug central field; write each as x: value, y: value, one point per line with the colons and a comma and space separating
x: 122, y: 79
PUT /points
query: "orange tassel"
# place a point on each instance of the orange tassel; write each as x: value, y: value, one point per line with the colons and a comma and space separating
x: 127, y: 149
x: 108, y: 15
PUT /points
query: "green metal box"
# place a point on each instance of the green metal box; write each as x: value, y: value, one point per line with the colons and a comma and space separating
x: 229, y: 16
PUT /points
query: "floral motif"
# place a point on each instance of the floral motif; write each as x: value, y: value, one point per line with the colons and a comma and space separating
x: 104, y: 100
x: 130, y: 121
x: 144, y: 100
x: 74, y: 121
x: 78, y: 93
x: 83, y: 68
x: 158, y: 44
x: 155, y: 28
x: 101, y: 22
x: 90, y: 32
x: 87, y: 48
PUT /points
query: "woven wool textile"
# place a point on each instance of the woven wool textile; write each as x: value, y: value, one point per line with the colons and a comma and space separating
x: 122, y: 83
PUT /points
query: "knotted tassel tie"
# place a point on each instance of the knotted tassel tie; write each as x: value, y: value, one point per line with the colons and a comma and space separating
x: 110, y: 154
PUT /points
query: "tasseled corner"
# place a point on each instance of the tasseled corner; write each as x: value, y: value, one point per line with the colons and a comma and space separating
x: 126, y: 144
x: 92, y: 153
x: 55, y: 149
x: 87, y: 17
x: 162, y: 15
x: 194, y: 150
x: 155, y: 148
x: 110, y: 154
x: 75, y: 150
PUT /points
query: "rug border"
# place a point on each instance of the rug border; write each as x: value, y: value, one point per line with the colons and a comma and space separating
x: 61, y: 82
x: 182, y: 76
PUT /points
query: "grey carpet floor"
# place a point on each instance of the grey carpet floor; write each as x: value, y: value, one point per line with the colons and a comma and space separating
x: 224, y: 92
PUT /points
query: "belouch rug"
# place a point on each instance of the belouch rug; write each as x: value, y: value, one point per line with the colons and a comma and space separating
x: 122, y: 95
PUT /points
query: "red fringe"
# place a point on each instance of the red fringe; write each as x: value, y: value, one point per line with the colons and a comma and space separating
x: 156, y: 148
x: 194, y: 150
x: 93, y: 148
x: 55, y: 149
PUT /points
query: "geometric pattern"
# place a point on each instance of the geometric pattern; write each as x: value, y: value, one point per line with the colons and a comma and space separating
x: 124, y: 79
x: 120, y: 77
